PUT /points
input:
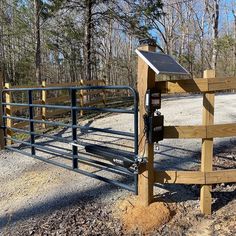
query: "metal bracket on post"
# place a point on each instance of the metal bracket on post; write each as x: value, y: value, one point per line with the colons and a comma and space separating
x: 74, y: 128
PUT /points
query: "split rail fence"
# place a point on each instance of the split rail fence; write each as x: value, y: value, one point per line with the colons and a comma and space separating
x: 206, y: 132
x: 84, y: 99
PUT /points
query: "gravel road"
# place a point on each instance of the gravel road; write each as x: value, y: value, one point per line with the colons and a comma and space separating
x: 32, y: 191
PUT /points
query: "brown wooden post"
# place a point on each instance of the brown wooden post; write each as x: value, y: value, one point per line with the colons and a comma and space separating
x: 44, y: 97
x: 81, y: 97
x: 146, y: 80
x: 2, y: 142
x: 207, y: 145
x: 8, y: 113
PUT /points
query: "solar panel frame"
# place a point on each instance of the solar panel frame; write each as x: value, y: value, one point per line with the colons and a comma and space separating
x: 162, y: 63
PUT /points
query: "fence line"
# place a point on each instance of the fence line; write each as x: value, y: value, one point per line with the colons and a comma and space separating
x: 205, y: 177
x: 84, y: 99
x: 44, y: 99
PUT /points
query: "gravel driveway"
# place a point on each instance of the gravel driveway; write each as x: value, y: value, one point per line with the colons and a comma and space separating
x: 32, y: 189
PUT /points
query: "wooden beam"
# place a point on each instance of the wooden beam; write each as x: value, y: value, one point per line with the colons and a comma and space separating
x: 219, y: 84
x: 93, y: 82
x: 57, y: 112
x: 179, y: 177
x: 196, y: 131
x: 49, y: 115
x: 221, y: 130
x: 94, y: 102
x: 196, y: 85
x: 21, y: 124
x: 195, y: 177
x: 183, y: 86
x: 51, y: 100
x: 221, y: 176
x: 64, y: 84
x: 25, y: 86
x: 64, y: 98
x: 207, y: 145
x: 95, y: 92
x: 200, y: 131
x: 146, y: 80
x: 8, y: 113
x: 22, y: 108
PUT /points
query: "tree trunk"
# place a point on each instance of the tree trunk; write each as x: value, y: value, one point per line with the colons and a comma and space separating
x: 215, y: 32
x: 234, y: 59
x: 88, y: 39
x: 109, y: 54
x: 38, y: 42
x: 129, y: 64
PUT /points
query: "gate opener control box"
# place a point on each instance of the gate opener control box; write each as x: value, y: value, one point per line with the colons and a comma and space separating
x: 154, y: 126
x: 154, y: 121
x: 152, y: 101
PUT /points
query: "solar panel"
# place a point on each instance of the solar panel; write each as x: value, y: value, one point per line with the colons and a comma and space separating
x: 162, y: 63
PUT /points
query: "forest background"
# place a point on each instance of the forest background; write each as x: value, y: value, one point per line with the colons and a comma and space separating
x: 69, y: 40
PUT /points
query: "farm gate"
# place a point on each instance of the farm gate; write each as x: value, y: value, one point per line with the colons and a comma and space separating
x: 80, y: 151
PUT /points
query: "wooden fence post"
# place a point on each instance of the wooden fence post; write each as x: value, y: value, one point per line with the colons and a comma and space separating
x: 81, y: 97
x: 146, y: 80
x: 8, y: 113
x: 2, y: 141
x: 207, y: 145
x: 44, y: 97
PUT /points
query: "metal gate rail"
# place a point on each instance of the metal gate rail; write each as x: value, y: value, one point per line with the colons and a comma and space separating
x: 75, y: 157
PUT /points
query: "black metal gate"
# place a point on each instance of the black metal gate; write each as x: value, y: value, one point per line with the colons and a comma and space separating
x: 102, y: 157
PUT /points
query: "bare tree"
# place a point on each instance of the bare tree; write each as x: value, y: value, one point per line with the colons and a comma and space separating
x: 38, y: 41
x: 88, y: 39
x: 215, y: 32
x: 234, y: 59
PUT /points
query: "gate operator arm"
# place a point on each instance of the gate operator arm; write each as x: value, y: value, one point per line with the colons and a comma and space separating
x: 154, y: 122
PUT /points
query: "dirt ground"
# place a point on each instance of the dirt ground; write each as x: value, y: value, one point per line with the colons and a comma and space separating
x: 41, y: 199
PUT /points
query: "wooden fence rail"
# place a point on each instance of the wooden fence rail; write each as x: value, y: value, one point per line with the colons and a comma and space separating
x: 207, y: 132
x: 51, y: 100
x: 199, y: 85
x: 200, y: 131
x: 195, y: 177
x: 83, y: 100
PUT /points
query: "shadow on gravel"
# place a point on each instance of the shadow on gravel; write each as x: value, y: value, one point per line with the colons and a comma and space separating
x: 222, y: 199
x: 176, y: 193
x: 177, y: 158
x: 59, y: 203
x: 181, y: 193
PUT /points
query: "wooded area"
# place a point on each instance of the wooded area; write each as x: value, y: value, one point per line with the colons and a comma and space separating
x: 66, y: 41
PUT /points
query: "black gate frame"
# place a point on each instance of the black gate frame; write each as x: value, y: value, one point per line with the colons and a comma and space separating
x: 74, y: 126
